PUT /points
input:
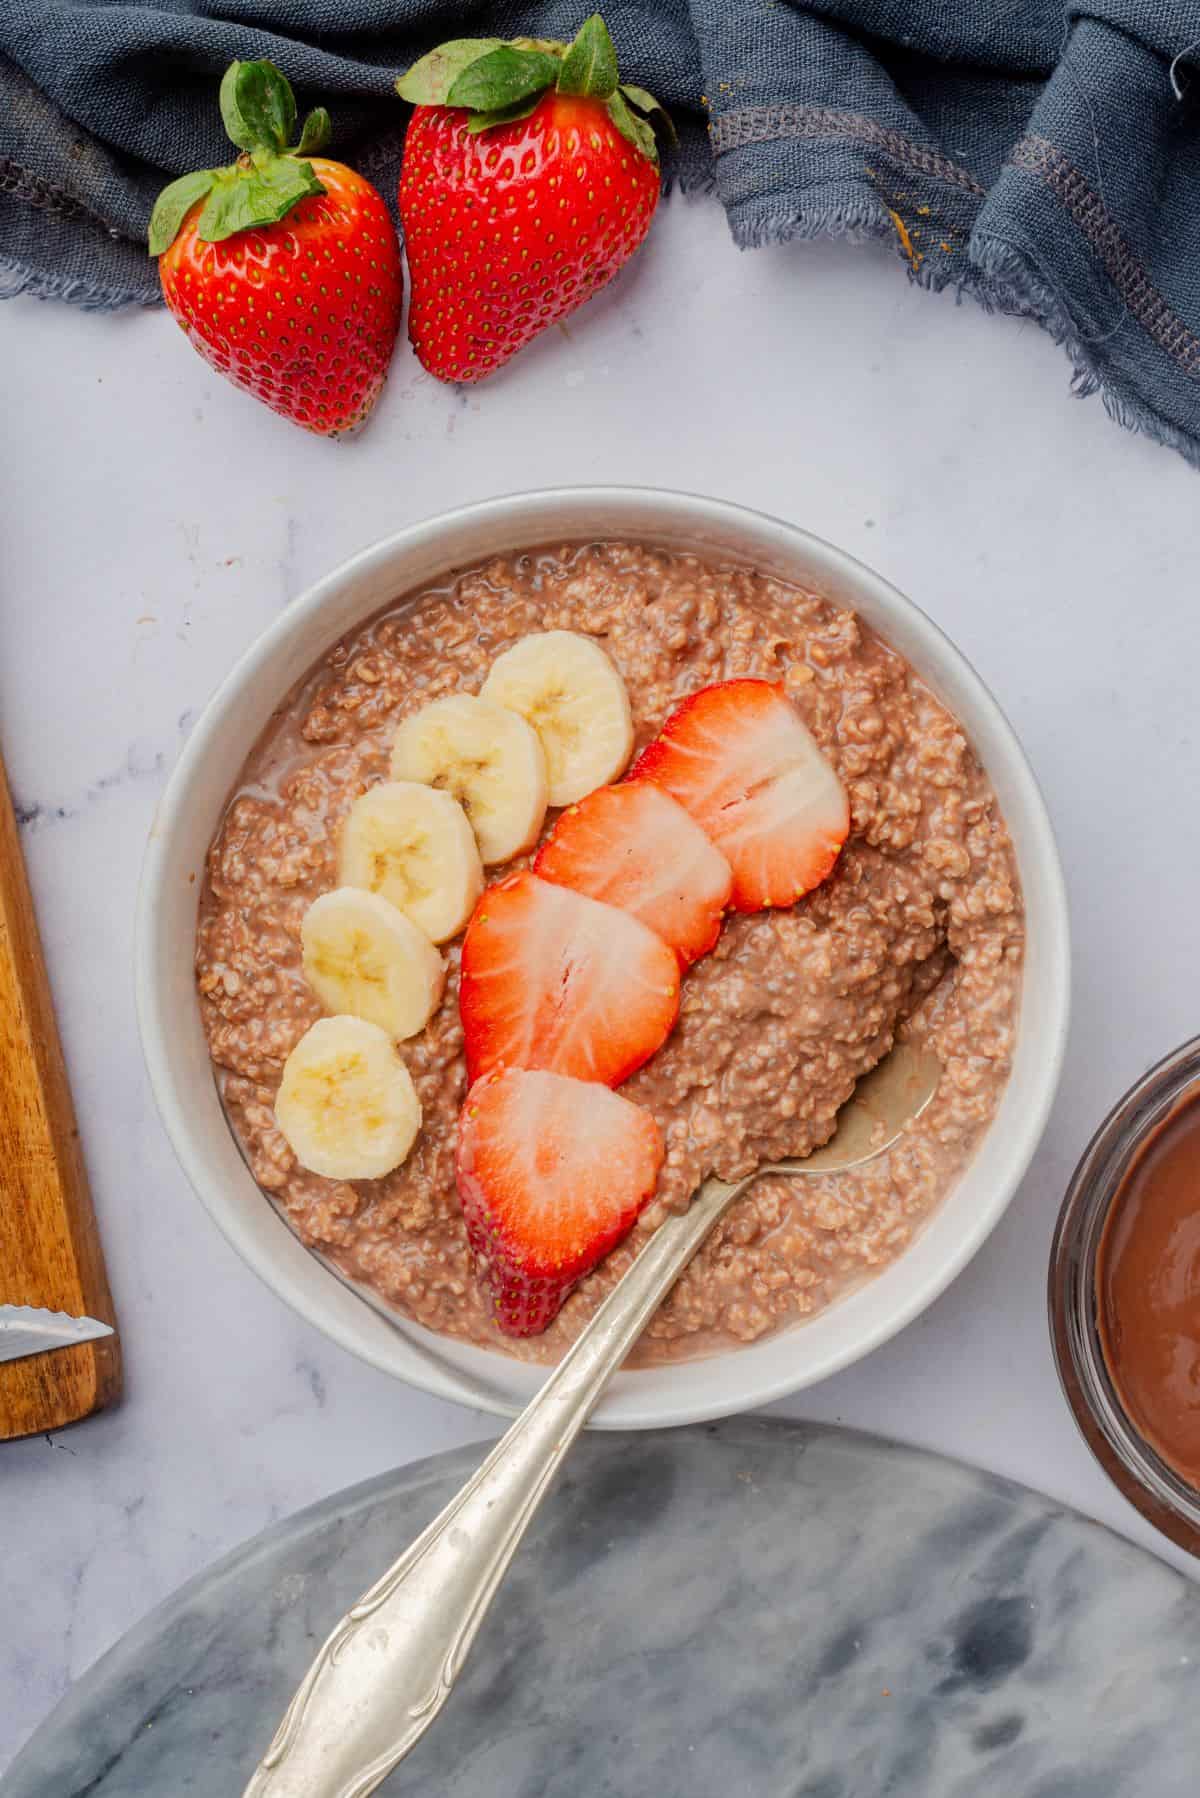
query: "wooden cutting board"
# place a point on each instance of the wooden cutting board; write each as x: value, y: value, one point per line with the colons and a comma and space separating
x: 49, y: 1249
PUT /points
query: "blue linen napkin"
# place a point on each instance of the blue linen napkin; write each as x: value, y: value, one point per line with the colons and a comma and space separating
x: 1043, y: 158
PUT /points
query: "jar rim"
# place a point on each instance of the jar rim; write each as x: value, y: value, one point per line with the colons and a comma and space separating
x: 1132, y: 1463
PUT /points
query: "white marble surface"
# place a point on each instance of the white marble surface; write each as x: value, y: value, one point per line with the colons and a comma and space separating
x: 152, y: 521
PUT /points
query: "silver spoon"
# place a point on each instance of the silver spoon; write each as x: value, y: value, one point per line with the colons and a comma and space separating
x: 388, y: 1667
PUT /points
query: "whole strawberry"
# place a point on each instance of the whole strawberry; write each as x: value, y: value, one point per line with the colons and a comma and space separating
x: 530, y: 175
x: 283, y: 268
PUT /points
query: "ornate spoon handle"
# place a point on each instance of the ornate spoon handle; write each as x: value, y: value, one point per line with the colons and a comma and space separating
x: 388, y: 1667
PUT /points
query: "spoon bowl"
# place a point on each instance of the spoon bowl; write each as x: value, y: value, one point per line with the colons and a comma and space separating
x: 892, y: 1095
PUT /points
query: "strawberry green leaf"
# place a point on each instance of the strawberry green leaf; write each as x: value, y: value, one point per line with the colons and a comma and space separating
x: 502, y: 78
x: 590, y: 65
x: 261, y: 195
x: 484, y: 121
x: 632, y: 126
x: 173, y: 205
x: 640, y: 97
x: 645, y: 102
x: 429, y: 81
x: 257, y: 106
x: 314, y: 133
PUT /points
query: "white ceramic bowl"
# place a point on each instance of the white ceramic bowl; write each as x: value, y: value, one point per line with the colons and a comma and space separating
x: 173, y: 1039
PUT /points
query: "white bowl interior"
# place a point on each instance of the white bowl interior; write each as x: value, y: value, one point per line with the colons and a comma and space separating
x: 177, y: 1055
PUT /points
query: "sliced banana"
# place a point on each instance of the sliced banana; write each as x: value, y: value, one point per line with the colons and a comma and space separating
x: 364, y: 957
x: 568, y: 689
x: 413, y: 845
x: 488, y: 758
x: 347, y: 1105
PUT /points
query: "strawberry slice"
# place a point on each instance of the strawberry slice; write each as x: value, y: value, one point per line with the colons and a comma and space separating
x: 552, y: 1173
x: 740, y: 759
x: 635, y: 847
x: 551, y: 979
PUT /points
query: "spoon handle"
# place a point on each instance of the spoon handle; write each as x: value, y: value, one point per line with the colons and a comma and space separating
x: 388, y: 1667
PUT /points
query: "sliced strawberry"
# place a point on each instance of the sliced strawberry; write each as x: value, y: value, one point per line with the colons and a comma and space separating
x: 635, y: 847
x: 740, y: 759
x: 551, y: 979
x: 552, y: 1174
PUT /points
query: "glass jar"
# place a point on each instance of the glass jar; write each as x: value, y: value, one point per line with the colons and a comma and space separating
x: 1131, y: 1463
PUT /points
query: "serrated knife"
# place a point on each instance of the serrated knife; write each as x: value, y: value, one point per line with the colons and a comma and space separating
x: 30, y: 1330
x: 59, y: 1355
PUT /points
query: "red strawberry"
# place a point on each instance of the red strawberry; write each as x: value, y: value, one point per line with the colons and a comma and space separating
x: 553, y: 980
x: 530, y: 176
x: 635, y: 847
x: 741, y: 760
x: 283, y: 269
x: 552, y: 1174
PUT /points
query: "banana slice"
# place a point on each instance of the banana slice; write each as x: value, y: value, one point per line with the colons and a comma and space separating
x: 414, y: 846
x: 347, y: 1105
x: 364, y: 957
x: 491, y: 761
x: 569, y: 690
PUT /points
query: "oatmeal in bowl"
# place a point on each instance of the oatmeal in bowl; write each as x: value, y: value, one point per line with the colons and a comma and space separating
x: 596, y: 847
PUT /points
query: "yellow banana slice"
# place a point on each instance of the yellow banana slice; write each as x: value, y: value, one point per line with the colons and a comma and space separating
x: 572, y: 694
x: 347, y: 1105
x: 489, y: 758
x: 363, y: 957
x: 414, y: 846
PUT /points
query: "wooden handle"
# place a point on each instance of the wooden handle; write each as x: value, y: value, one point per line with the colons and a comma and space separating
x: 49, y: 1248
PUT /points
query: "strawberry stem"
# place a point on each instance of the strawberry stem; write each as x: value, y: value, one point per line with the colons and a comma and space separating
x: 258, y: 109
x: 173, y: 205
x: 632, y: 126
x: 503, y: 78
x: 497, y: 83
x: 315, y: 133
x: 590, y: 66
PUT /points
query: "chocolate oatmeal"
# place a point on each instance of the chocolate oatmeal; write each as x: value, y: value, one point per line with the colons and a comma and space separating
x: 917, y: 933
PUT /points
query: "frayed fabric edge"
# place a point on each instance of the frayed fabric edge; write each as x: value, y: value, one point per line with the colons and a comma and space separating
x: 863, y: 221
x: 1001, y: 262
x: 688, y: 166
x: 17, y: 279
x: 997, y: 277
x: 782, y: 223
x: 692, y: 183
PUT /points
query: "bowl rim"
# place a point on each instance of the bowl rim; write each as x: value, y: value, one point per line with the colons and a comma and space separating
x: 627, y: 503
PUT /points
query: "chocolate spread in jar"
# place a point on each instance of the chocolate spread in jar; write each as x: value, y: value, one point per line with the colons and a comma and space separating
x: 1148, y: 1289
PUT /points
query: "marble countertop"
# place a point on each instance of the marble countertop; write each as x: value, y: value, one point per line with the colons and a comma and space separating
x: 665, y: 1600
x: 153, y: 521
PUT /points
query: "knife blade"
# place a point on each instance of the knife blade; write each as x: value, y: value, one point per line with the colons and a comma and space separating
x: 28, y: 1330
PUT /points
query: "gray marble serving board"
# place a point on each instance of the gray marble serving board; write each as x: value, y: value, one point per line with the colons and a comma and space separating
x: 750, y: 1607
